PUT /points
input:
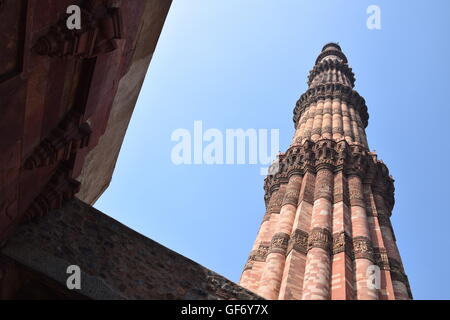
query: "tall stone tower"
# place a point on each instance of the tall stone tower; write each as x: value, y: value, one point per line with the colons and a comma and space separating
x: 327, y: 225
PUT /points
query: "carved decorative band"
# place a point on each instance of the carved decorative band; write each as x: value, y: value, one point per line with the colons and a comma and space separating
x: 362, y: 248
x: 327, y: 129
x: 70, y: 135
x: 275, y: 203
x: 381, y: 258
x: 323, y: 191
x: 292, y: 200
x: 324, y: 183
x: 332, y: 52
x: 248, y: 266
x: 320, y: 238
x: 342, y: 242
x: 318, y: 111
x: 279, y: 243
x: 316, y: 131
x: 331, y: 91
x: 356, y: 200
x: 351, y: 160
x: 299, y: 241
x: 293, y: 189
x: 261, y: 253
x: 356, y: 195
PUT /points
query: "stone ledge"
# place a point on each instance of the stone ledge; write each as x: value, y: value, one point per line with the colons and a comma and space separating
x: 116, y: 262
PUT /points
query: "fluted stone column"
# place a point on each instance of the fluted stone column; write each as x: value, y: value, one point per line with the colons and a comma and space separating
x: 317, y: 122
x: 301, y: 127
x: 342, y: 279
x: 253, y: 270
x: 309, y: 122
x: 386, y: 291
x: 354, y: 125
x: 362, y: 244
x: 399, y: 279
x: 362, y: 133
x: 327, y: 120
x: 316, y: 284
x: 346, y: 123
x: 273, y: 270
x: 338, y: 129
x: 294, y: 269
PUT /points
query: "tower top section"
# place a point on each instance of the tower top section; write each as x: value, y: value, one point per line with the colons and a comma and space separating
x: 331, y: 67
x: 331, y: 78
x: 331, y: 45
x: 331, y: 51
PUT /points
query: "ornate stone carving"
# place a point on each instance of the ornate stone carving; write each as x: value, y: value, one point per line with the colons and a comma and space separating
x: 326, y: 129
x: 338, y: 130
x: 342, y: 242
x: 261, y: 253
x: 299, y: 241
x: 324, y: 185
x: 291, y: 197
x: 316, y: 131
x: 61, y: 187
x: 276, y: 202
x: 362, y: 248
x: 332, y: 50
x: 330, y: 65
x: 70, y: 135
x: 279, y: 243
x: 292, y: 191
x: 320, y: 238
x: 381, y: 258
x: 335, y: 156
x: 332, y: 91
x: 101, y: 26
x: 356, y: 195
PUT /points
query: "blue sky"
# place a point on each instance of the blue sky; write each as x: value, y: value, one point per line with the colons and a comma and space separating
x: 243, y: 64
